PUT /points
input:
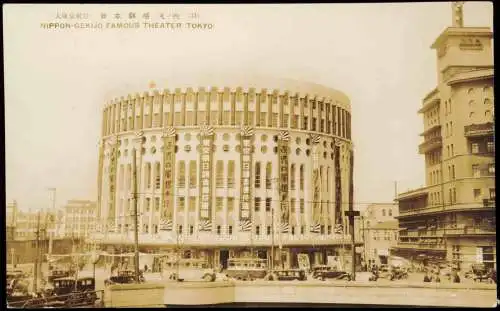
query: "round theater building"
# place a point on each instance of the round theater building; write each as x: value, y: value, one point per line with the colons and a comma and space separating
x: 227, y: 170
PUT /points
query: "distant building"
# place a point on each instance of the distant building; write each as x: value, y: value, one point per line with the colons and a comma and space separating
x: 79, y: 218
x: 379, y: 229
x: 453, y: 217
x: 10, y: 221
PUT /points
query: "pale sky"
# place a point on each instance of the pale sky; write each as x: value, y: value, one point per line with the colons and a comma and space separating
x: 56, y: 81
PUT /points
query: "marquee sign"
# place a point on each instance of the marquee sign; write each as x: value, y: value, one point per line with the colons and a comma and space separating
x: 283, y: 154
x: 168, y: 179
x: 206, y: 143
x: 246, y: 173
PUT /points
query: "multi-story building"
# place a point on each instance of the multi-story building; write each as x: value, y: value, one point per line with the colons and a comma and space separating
x: 78, y: 218
x: 453, y: 217
x: 379, y: 230
x: 229, y: 171
x: 10, y: 221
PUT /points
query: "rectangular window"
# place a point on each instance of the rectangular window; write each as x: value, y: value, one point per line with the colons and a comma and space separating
x: 257, y: 175
x: 293, y: 207
x: 177, y: 117
x: 230, y: 204
x: 262, y: 119
x: 157, y: 204
x: 275, y: 120
x: 268, y: 204
x: 230, y: 230
x: 214, y: 117
x: 192, y: 204
x: 302, y: 206
x: 474, y: 148
x: 302, y: 229
x: 313, y: 126
x: 230, y: 174
x: 295, y: 121
x: 257, y: 230
x: 219, y: 178
x: 490, y: 147
x: 492, y: 193
x: 218, y: 203
x: 179, y: 229
x: 293, y: 230
x: 191, y: 229
x: 181, y: 203
x: 218, y: 230
x: 476, y: 172
x: 239, y: 117
x: 285, y: 120
x: 181, y: 180
x: 192, y: 174
x: 201, y: 117
x: 329, y: 229
x: 268, y: 230
x: 491, y: 168
x: 226, y: 117
x: 305, y: 123
x: 257, y: 204
x: 251, y: 117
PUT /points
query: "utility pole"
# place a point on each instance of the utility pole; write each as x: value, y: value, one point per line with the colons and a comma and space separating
x: 35, y: 274
x: 136, y: 226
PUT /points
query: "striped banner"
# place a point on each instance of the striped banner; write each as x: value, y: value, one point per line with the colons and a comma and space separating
x: 245, y: 225
x: 169, y: 132
x: 247, y: 131
x: 205, y: 225
x: 284, y: 228
x: 285, y: 136
x: 316, y: 228
x: 206, y: 130
x: 315, y: 139
x: 338, y: 229
x: 166, y: 225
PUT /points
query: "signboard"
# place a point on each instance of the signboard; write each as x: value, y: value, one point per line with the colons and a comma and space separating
x: 207, y: 133
x: 304, y: 263
x: 168, y: 173
x: 334, y: 261
x: 246, y: 173
x: 283, y: 141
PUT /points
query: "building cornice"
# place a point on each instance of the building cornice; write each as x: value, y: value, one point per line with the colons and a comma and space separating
x: 471, y: 76
x: 462, y: 31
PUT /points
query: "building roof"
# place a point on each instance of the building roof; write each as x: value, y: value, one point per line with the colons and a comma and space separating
x: 386, y: 225
x: 474, y: 75
x: 461, y: 31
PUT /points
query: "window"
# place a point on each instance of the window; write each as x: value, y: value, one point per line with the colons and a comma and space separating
x: 491, y: 168
x: 230, y: 204
x: 181, y: 203
x: 477, y: 194
x: 147, y: 175
x: 292, y: 177
x: 192, y: 174
x: 226, y: 117
x: 492, y: 193
x: 230, y: 230
x: 329, y: 229
x: 268, y: 204
x: 179, y: 229
x: 390, y: 212
x: 313, y: 128
x: 285, y: 120
x: 451, y: 128
x: 181, y: 177
x: 304, y: 123
x: 262, y: 119
x: 218, y: 230
x: 257, y: 204
x: 452, y: 152
x: 148, y: 204
x: 257, y: 175
x: 157, y: 175
x: 293, y: 207
x: 383, y: 212
x: 302, y: 229
x: 218, y: 203
x: 219, y: 178
x: 490, y: 146
x: 191, y: 229
x: 453, y: 171
x: 476, y: 172
x: 230, y: 174
x: 475, y: 148
x: 269, y: 171
x: 302, y: 206
x: 268, y: 230
x: 192, y: 204
x: 157, y: 204
x: 301, y: 177
x: 275, y: 120
x: 257, y: 230
x: 293, y: 230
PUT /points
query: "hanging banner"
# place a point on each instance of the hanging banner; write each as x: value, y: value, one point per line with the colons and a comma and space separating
x: 205, y: 182
x: 303, y: 260
x: 338, y: 188
x: 166, y: 219
x: 113, y: 146
x: 246, y: 177
x: 283, y: 146
x: 316, y: 178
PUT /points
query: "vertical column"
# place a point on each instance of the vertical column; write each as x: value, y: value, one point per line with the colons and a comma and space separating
x: 270, y: 104
x: 99, y: 180
x: 183, y: 108
x: 311, y: 113
x: 196, y: 109
x: 168, y: 194
x: 291, y: 111
x: 206, y: 173
x: 338, y: 189
x: 245, y: 108
x: 138, y: 145
x: 327, y: 119
x: 283, y: 154
x: 152, y: 101
x: 281, y: 122
x: 220, y: 101
x: 233, y: 108
x: 302, y: 115
x: 245, y: 214
x: 316, y: 181
x: 207, y: 107
x: 160, y: 102
x: 143, y: 99
x: 172, y: 110
x: 134, y: 102
x: 257, y: 109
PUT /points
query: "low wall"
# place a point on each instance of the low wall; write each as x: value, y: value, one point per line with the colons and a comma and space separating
x: 147, y: 295
x: 433, y: 294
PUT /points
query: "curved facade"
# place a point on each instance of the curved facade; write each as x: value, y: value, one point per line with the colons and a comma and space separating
x: 228, y: 167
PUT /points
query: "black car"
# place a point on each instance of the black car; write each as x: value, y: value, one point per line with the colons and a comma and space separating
x: 287, y: 275
x: 123, y: 277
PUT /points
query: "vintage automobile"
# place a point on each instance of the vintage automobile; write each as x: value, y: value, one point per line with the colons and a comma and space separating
x: 56, y: 274
x: 480, y: 273
x: 289, y: 275
x: 246, y: 268
x: 75, y: 291
x: 124, y: 277
x: 190, y: 269
x: 328, y: 272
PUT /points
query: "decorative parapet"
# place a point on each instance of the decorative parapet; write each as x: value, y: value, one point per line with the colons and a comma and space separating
x: 430, y: 144
x: 477, y: 130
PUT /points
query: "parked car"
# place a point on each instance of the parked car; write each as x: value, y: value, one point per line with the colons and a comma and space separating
x: 247, y: 268
x: 192, y: 270
x: 123, y: 277
x: 290, y: 275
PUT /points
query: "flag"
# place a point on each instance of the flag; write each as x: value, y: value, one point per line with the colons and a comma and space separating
x: 245, y: 225
x: 205, y: 225
x: 285, y: 228
x: 316, y: 228
x: 166, y: 225
x: 338, y: 229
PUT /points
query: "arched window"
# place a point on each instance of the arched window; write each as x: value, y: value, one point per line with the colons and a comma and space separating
x: 301, y: 177
x: 181, y: 177
x: 157, y: 175
x: 292, y: 177
x: 257, y: 175
x: 230, y: 174
x: 219, y: 171
x: 192, y: 174
x: 269, y: 172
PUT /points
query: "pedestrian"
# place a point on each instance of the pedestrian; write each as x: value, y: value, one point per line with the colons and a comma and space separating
x: 455, y: 278
x: 427, y: 277
x: 436, y: 277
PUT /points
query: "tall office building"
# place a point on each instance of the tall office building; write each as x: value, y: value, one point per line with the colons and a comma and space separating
x: 453, y: 217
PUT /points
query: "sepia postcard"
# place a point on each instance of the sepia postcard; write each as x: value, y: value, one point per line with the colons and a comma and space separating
x: 250, y: 155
